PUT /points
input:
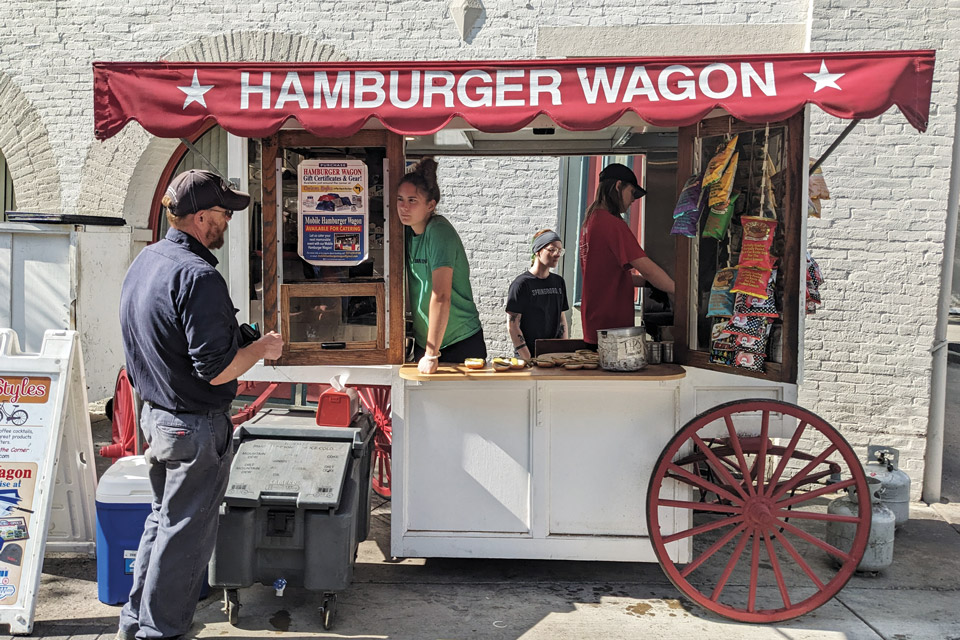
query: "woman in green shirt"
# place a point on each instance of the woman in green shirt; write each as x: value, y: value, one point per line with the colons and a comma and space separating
x: 445, y: 320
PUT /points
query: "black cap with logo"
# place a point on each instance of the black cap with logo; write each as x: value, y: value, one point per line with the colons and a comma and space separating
x: 196, y: 190
x: 617, y: 171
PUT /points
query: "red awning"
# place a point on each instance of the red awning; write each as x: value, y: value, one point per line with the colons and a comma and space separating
x: 418, y: 98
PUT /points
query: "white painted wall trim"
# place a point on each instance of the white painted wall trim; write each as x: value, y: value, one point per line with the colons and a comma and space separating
x: 673, y: 40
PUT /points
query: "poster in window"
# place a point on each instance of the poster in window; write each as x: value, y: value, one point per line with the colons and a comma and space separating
x: 333, y: 212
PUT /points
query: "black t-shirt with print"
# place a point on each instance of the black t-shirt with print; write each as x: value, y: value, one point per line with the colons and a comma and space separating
x: 539, y: 303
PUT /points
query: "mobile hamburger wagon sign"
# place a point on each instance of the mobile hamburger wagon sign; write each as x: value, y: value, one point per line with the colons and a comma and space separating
x: 333, y: 212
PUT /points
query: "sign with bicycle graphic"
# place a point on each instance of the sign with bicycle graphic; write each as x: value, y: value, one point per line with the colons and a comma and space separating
x: 45, y: 447
x: 15, y: 392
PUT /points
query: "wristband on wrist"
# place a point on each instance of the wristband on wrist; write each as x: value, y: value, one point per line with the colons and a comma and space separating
x: 436, y: 357
x: 519, y: 346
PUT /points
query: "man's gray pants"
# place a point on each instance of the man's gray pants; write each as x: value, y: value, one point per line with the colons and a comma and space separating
x: 189, y: 458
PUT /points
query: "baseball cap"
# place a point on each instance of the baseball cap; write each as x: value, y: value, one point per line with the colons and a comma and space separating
x: 196, y: 190
x: 617, y: 171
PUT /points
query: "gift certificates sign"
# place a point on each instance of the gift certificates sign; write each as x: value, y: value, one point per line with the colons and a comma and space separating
x: 333, y: 212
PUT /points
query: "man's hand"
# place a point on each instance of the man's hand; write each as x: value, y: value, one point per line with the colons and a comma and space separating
x: 270, y: 345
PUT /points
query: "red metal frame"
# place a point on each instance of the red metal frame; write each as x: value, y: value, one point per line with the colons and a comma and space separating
x: 740, y: 503
x: 250, y: 410
x: 375, y: 399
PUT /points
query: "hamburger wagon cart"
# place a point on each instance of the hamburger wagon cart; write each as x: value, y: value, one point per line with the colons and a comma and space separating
x: 705, y: 465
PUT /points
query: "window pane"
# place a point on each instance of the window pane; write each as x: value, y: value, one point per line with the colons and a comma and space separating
x: 346, y: 319
x: 7, y: 199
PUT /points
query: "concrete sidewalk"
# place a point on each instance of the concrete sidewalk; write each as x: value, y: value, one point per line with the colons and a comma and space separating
x: 417, y: 599
x: 420, y: 599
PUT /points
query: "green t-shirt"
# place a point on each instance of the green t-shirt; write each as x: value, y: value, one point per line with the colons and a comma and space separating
x: 439, y: 246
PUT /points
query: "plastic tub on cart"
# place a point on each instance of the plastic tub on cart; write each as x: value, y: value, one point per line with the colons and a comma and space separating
x: 297, y: 506
x: 123, y: 504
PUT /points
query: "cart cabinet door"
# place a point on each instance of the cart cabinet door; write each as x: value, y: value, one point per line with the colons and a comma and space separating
x: 738, y: 295
x: 604, y: 439
x: 468, y: 458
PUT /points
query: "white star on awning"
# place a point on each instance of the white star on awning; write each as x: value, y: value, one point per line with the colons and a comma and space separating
x: 195, y: 92
x: 824, y: 78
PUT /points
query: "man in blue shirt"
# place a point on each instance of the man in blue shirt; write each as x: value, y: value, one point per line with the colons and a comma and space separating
x: 183, y: 353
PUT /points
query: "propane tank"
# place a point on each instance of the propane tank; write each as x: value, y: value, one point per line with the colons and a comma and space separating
x: 882, y: 464
x: 879, y: 552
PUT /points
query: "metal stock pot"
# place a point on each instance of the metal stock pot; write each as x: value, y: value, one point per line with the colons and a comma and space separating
x: 622, y: 349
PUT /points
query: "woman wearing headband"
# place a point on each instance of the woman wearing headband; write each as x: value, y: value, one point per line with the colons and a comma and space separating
x: 446, y: 323
x: 609, y: 252
x: 538, y: 298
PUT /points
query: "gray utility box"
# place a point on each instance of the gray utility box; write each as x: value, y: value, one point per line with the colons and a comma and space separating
x: 297, y: 505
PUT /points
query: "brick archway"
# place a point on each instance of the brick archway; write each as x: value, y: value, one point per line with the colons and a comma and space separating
x: 26, y: 146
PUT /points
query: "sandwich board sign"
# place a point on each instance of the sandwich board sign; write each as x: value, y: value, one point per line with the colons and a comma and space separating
x: 47, y: 475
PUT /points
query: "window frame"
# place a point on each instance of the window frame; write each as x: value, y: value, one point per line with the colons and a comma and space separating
x: 390, y: 322
x: 790, y: 268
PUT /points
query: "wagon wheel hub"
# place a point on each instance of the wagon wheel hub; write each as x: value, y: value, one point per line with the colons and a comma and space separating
x: 758, y: 512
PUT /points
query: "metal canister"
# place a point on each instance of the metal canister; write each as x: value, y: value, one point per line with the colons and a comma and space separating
x: 623, y: 349
x: 879, y: 552
x: 667, y: 351
x: 882, y: 464
x: 653, y: 353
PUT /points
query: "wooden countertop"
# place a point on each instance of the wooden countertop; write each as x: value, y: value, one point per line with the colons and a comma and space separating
x: 652, y: 373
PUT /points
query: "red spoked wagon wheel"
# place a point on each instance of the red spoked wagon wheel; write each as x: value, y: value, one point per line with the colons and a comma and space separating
x: 376, y: 399
x: 740, y: 495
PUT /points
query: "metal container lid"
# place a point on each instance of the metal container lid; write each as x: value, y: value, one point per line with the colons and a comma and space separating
x: 623, y: 332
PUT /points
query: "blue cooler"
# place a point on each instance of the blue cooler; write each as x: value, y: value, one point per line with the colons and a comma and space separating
x: 123, y: 504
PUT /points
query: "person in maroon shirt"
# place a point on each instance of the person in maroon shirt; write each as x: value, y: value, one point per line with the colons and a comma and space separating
x: 609, y: 252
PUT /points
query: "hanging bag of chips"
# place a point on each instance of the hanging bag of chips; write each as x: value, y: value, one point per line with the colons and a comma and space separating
x: 721, y: 189
x: 719, y: 220
x: 749, y: 344
x: 723, y: 348
x: 757, y: 240
x: 722, y: 300
x: 750, y: 326
x: 749, y: 305
x: 689, y: 206
x: 814, y: 280
x: 689, y: 200
x: 749, y: 361
x: 816, y: 191
x: 753, y: 282
x: 719, y: 162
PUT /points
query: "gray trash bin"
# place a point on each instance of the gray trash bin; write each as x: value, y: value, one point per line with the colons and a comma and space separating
x: 297, y: 506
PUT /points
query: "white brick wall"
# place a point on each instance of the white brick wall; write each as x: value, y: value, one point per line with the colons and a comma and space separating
x: 880, y: 242
x: 496, y: 206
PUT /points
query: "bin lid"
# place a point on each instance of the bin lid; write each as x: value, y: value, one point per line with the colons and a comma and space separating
x: 126, y: 481
x: 64, y: 218
x: 302, y: 473
x: 301, y: 425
